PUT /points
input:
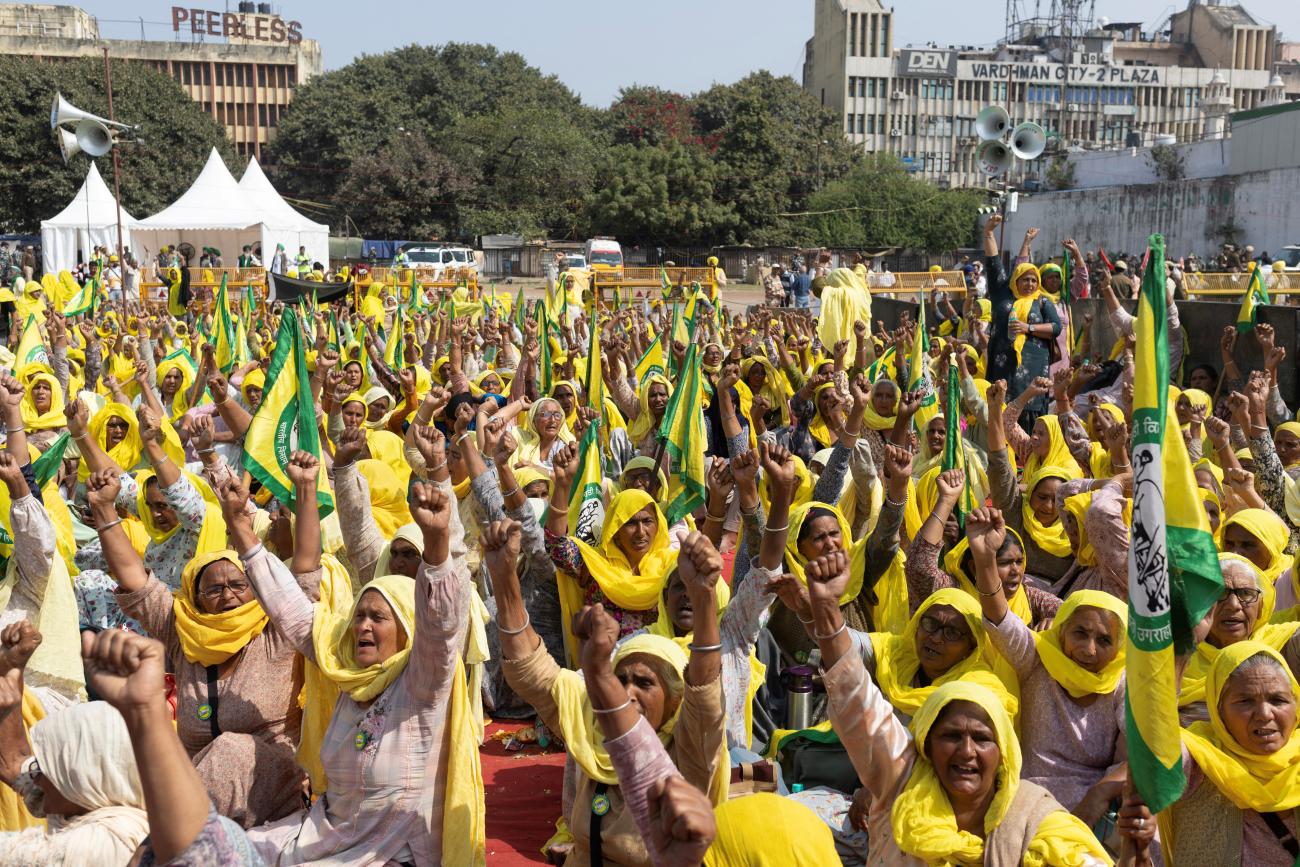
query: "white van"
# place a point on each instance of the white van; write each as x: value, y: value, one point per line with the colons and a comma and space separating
x: 441, y: 258
x: 604, y: 254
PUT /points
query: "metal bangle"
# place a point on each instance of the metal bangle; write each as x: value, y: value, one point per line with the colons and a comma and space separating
x: 843, y: 626
x: 703, y: 648
x: 110, y: 525
x: 435, y: 469
x: 528, y: 621
x: 511, y: 492
x: 712, y: 517
x: 625, y: 704
x: 781, y: 529
x: 988, y: 593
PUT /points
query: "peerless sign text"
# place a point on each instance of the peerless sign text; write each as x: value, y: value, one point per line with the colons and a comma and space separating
x: 256, y: 28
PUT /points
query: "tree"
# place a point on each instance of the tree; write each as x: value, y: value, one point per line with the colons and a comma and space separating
x: 650, y: 116
x: 404, y: 187
x: 1168, y: 162
x: 878, y: 204
x: 664, y: 195
x: 521, y: 135
x: 776, y: 145
x: 176, y: 136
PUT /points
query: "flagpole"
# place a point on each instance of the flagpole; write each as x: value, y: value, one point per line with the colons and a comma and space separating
x: 117, y: 190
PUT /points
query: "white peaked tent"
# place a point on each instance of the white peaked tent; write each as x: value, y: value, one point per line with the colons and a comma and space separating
x: 89, y: 220
x: 284, y: 224
x: 218, y: 212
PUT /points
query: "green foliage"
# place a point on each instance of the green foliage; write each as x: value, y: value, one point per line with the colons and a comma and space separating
x: 664, y: 195
x: 177, y: 136
x: 650, y: 116
x: 1168, y: 162
x: 1060, y: 173
x: 878, y: 204
x: 513, y: 149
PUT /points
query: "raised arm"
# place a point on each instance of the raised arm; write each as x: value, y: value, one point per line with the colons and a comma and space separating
x: 18, y: 641
x: 442, y: 588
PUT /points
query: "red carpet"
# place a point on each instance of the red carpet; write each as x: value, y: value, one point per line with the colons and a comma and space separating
x: 522, y: 791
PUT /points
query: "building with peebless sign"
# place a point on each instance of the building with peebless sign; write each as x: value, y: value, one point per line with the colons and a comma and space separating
x: 242, y: 66
x: 1089, y: 84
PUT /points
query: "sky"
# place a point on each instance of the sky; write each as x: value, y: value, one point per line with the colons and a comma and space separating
x: 598, y: 46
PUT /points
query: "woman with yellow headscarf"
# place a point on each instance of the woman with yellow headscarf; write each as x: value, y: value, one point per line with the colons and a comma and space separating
x: 652, y: 399
x: 1071, y: 680
x: 545, y: 433
x: 402, y: 721
x: 42, y: 409
x: 236, y: 689
x: 1242, y: 613
x: 1242, y: 766
x: 924, y: 776
x: 679, y: 697
x: 175, y: 381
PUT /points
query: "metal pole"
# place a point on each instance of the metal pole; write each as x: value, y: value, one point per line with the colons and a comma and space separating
x: 117, y: 190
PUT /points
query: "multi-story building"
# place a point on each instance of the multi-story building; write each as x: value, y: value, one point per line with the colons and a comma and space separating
x: 1088, y: 84
x: 242, y: 67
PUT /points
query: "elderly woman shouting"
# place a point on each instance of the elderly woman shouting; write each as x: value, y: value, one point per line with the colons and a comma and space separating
x: 946, y: 789
x: 401, y: 751
x: 236, y: 680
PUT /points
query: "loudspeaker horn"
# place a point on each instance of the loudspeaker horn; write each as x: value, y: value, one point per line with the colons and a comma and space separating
x: 68, y: 146
x: 994, y: 158
x: 91, y: 136
x: 992, y: 123
x: 62, y: 112
x: 1028, y: 141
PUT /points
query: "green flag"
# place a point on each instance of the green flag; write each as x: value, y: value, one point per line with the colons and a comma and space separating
x: 954, y: 452
x: 1256, y: 294
x: 544, y: 360
x: 685, y: 438
x: 1173, y: 564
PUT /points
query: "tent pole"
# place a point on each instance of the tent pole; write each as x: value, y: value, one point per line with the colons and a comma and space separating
x: 117, y: 191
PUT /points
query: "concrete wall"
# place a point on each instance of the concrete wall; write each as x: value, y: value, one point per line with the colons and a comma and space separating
x: 1202, y: 325
x: 1191, y: 214
x: 1203, y: 159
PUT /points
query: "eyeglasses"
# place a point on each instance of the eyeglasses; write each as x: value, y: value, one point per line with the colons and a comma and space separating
x: 236, y: 588
x: 946, y: 631
x: 550, y: 414
x: 117, y: 425
x: 1245, y: 595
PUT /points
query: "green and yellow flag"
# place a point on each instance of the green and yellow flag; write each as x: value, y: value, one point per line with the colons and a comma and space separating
x: 587, y: 498
x: 651, y: 361
x: 1256, y: 295
x: 285, y: 421
x: 31, y: 346
x: 954, y: 453
x: 1173, y: 566
x: 224, y: 335
x: 83, y: 302
x: 685, y: 438
x: 918, y: 374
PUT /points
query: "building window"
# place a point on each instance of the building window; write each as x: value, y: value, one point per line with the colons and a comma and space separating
x: 848, y: 124
x: 884, y: 36
x: 207, y: 72
x: 862, y: 125
x: 853, y: 34
x: 872, y: 43
x: 261, y: 75
x: 261, y: 115
x: 293, y: 76
x: 186, y: 74
x: 871, y: 124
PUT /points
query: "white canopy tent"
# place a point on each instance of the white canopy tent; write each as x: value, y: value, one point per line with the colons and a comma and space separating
x: 89, y: 220
x: 218, y: 212
x: 284, y: 224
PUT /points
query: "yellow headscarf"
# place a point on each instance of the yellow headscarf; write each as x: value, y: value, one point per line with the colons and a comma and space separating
x: 1272, y: 533
x: 462, y: 818
x: 127, y: 453
x: 1019, y: 603
x: 1058, y: 453
x: 529, y: 450
x: 51, y: 419
x: 1252, y: 781
x: 897, y: 662
x: 820, y: 431
x: 1072, y: 677
x: 610, y: 569
x: 792, y: 835
x: 211, y: 639
x: 1051, y: 538
x: 644, y: 420
x: 387, y: 496
x: 582, y: 733
x: 776, y: 388
x: 180, y: 400
x: 922, y: 816
x: 255, y: 378
x: 1195, y: 682
x: 212, y: 535
x: 1290, y: 427
x: 1025, y: 303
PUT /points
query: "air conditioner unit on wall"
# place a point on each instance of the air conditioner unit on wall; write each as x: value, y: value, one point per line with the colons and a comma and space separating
x: 898, y: 94
x: 895, y: 132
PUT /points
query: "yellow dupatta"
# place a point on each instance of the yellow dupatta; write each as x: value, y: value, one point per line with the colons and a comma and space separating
x: 922, y: 817
x: 1018, y: 603
x: 1195, y: 682
x: 608, y: 566
x: 1272, y: 533
x: 820, y: 431
x: 180, y: 400
x: 776, y: 388
x: 51, y: 419
x: 1024, y: 304
x: 463, y: 813
x: 14, y: 815
x: 644, y: 421
x: 1252, y: 781
x: 796, y: 561
x: 212, y: 535
x: 211, y: 639
x: 387, y: 496
x: 581, y: 732
x: 1058, y: 453
x: 1074, y: 678
x: 1052, y: 538
x: 529, y: 450
x: 897, y: 662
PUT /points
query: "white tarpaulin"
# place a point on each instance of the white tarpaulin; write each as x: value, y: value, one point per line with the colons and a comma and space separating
x: 218, y: 212
x: 89, y: 220
x: 284, y: 225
